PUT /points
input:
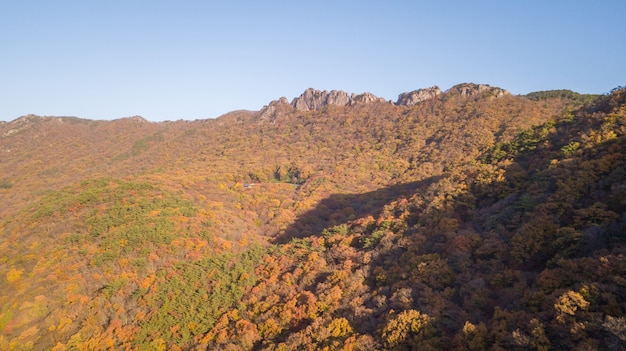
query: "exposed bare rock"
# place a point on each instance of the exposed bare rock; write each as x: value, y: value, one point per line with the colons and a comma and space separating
x: 471, y: 89
x: 338, y: 97
x: 313, y: 99
x: 500, y: 92
x: 416, y: 96
x: 366, y: 98
x: 21, y: 123
x: 275, y: 108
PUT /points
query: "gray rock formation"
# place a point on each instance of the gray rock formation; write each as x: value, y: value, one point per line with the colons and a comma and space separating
x: 366, y: 98
x: 275, y: 108
x: 338, y: 97
x: 416, y: 96
x: 498, y: 92
x: 22, y: 123
x: 471, y: 89
x: 313, y: 99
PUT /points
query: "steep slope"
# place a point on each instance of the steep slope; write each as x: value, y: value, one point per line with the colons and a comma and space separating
x: 523, y: 249
x: 369, y: 224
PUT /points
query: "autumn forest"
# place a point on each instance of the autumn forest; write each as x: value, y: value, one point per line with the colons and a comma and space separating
x: 470, y: 219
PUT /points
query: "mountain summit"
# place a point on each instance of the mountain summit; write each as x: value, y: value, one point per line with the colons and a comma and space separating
x: 313, y: 100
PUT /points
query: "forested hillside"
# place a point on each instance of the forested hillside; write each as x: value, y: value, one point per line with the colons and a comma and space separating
x: 471, y: 219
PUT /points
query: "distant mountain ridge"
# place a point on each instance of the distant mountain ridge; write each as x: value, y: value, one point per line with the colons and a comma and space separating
x: 312, y: 99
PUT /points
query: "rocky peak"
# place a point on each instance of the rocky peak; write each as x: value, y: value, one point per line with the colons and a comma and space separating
x: 338, y: 97
x: 471, y: 89
x: 416, y: 96
x: 275, y: 108
x: 22, y: 123
x: 366, y: 98
x: 313, y: 99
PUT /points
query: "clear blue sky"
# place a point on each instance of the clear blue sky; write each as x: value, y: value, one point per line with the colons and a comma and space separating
x: 169, y: 60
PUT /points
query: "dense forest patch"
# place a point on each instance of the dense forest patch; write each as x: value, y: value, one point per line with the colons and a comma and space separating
x: 462, y: 222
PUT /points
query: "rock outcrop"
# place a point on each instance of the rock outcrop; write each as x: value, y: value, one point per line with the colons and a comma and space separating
x: 471, y: 89
x: 416, y: 96
x: 338, y: 97
x: 366, y: 98
x: 312, y: 99
x: 275, y: 108
x: 21, y: 123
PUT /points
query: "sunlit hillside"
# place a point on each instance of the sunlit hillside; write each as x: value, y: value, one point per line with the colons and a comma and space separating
x: 468, y: 219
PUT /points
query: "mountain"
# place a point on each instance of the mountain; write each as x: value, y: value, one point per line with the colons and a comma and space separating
x: 464, y: 219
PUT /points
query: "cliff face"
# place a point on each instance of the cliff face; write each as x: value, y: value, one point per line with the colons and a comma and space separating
x: 313, y: 100
x: 471, y: 89
x: 417, y: 96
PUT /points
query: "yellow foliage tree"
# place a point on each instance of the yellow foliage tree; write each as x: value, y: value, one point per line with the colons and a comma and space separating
x: 407, y: 323
x: 14, y: 274
x: 568, y: 304
x: 339, y: 327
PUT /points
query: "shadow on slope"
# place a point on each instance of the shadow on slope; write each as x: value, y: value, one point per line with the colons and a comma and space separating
x: 338, y: 209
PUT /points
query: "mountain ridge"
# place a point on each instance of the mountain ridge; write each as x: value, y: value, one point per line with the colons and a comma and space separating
x: 313, y: 99
x: 463, y: 221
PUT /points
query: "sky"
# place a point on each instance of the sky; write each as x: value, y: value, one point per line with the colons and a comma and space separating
x: 183, y: 59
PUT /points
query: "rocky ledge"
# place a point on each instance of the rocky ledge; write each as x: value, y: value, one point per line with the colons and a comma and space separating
x: 471, y: 89
x: 313, y: 99
x: 416, y: 96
